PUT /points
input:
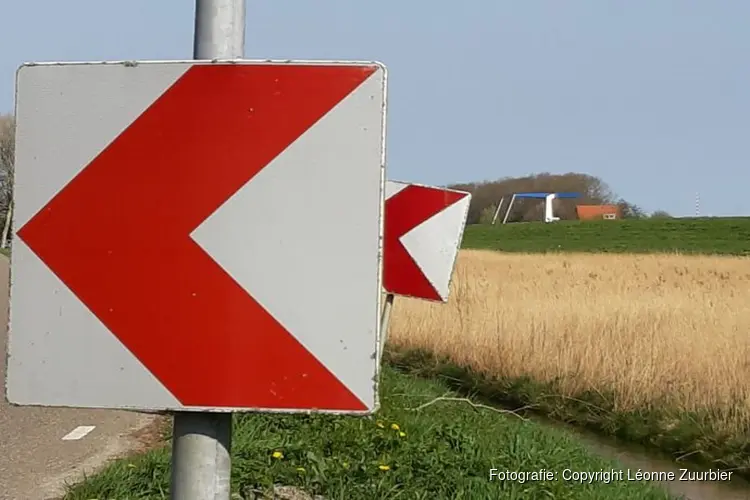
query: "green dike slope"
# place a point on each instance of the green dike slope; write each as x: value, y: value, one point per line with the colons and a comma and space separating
x: 728, y: 236
x: 419, y: 446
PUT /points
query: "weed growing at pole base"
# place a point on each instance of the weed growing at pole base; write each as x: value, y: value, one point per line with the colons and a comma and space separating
x: 443, y: 450
x: 650, y: 348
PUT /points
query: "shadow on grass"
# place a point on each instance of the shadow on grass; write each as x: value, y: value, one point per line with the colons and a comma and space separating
x: 690, y: 436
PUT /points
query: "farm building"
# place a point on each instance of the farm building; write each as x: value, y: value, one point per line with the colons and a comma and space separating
x: 588, y: 212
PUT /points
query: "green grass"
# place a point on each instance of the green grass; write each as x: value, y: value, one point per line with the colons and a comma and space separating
x: 729, y: 235
x: 446, y: 452
x: 658, y: 427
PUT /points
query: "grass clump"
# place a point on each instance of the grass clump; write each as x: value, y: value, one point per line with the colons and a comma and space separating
x: 444, y: 450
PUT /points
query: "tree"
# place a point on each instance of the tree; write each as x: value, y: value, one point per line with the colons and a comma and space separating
x: 485, y: 217
x: 660, y: 214
x: 485, y: 194
x: 7, y: 170
x: 630, y: 211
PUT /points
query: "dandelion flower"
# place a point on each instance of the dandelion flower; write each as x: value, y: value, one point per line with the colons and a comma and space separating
x: 278, y: 455
x: 384, y: 467
x: 402, y: 434
x: 395, y: 427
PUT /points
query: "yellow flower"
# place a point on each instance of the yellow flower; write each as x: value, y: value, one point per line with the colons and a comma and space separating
x: 380, y: 424
x: 402, y: 434
x: 277, y: 455
x: 301, y: 470
x: 384, y: 467
x: 395, y: 427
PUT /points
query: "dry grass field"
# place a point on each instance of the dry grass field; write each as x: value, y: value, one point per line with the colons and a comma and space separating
x: 649, y: 329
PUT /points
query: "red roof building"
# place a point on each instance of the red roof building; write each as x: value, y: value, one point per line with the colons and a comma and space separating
x: 589, y: 212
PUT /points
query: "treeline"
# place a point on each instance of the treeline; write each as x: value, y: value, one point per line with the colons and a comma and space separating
x: 592, y: 190
x: 7, y: 162
x: 485, y: 195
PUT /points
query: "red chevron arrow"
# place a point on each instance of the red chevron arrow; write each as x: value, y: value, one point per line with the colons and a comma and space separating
x: 118, y: 235
x: 404, y: 211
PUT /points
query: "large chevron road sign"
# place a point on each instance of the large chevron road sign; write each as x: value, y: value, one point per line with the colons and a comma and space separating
x: 160, y: 261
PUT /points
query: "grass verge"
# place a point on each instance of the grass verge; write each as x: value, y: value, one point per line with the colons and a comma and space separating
x: 411, y: 449
x: 729, y: 236
x: 691, y: 436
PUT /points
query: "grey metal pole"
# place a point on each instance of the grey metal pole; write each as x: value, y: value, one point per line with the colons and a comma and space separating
x: 202, y: 441
x: 385, y: 319
x: 201, y: 465
x: 219, y: 29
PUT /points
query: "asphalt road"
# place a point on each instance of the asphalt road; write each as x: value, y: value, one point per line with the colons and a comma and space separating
x: 35, y: 460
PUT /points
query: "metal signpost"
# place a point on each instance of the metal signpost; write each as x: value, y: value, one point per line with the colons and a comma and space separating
x: 202, y: 441
x: 157, y: 262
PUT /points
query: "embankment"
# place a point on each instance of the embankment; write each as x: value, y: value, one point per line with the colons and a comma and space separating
x: 726, y: 236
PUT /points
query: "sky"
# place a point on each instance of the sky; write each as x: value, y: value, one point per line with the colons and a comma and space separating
x: 652, y: 97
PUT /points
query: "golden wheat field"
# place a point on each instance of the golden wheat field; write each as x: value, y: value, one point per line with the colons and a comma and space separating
x: 647, y: 327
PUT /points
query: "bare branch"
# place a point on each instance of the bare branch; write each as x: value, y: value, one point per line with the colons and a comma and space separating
x: 474, y: 405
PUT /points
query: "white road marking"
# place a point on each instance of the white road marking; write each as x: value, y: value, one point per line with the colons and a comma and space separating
x: 78, y: 433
